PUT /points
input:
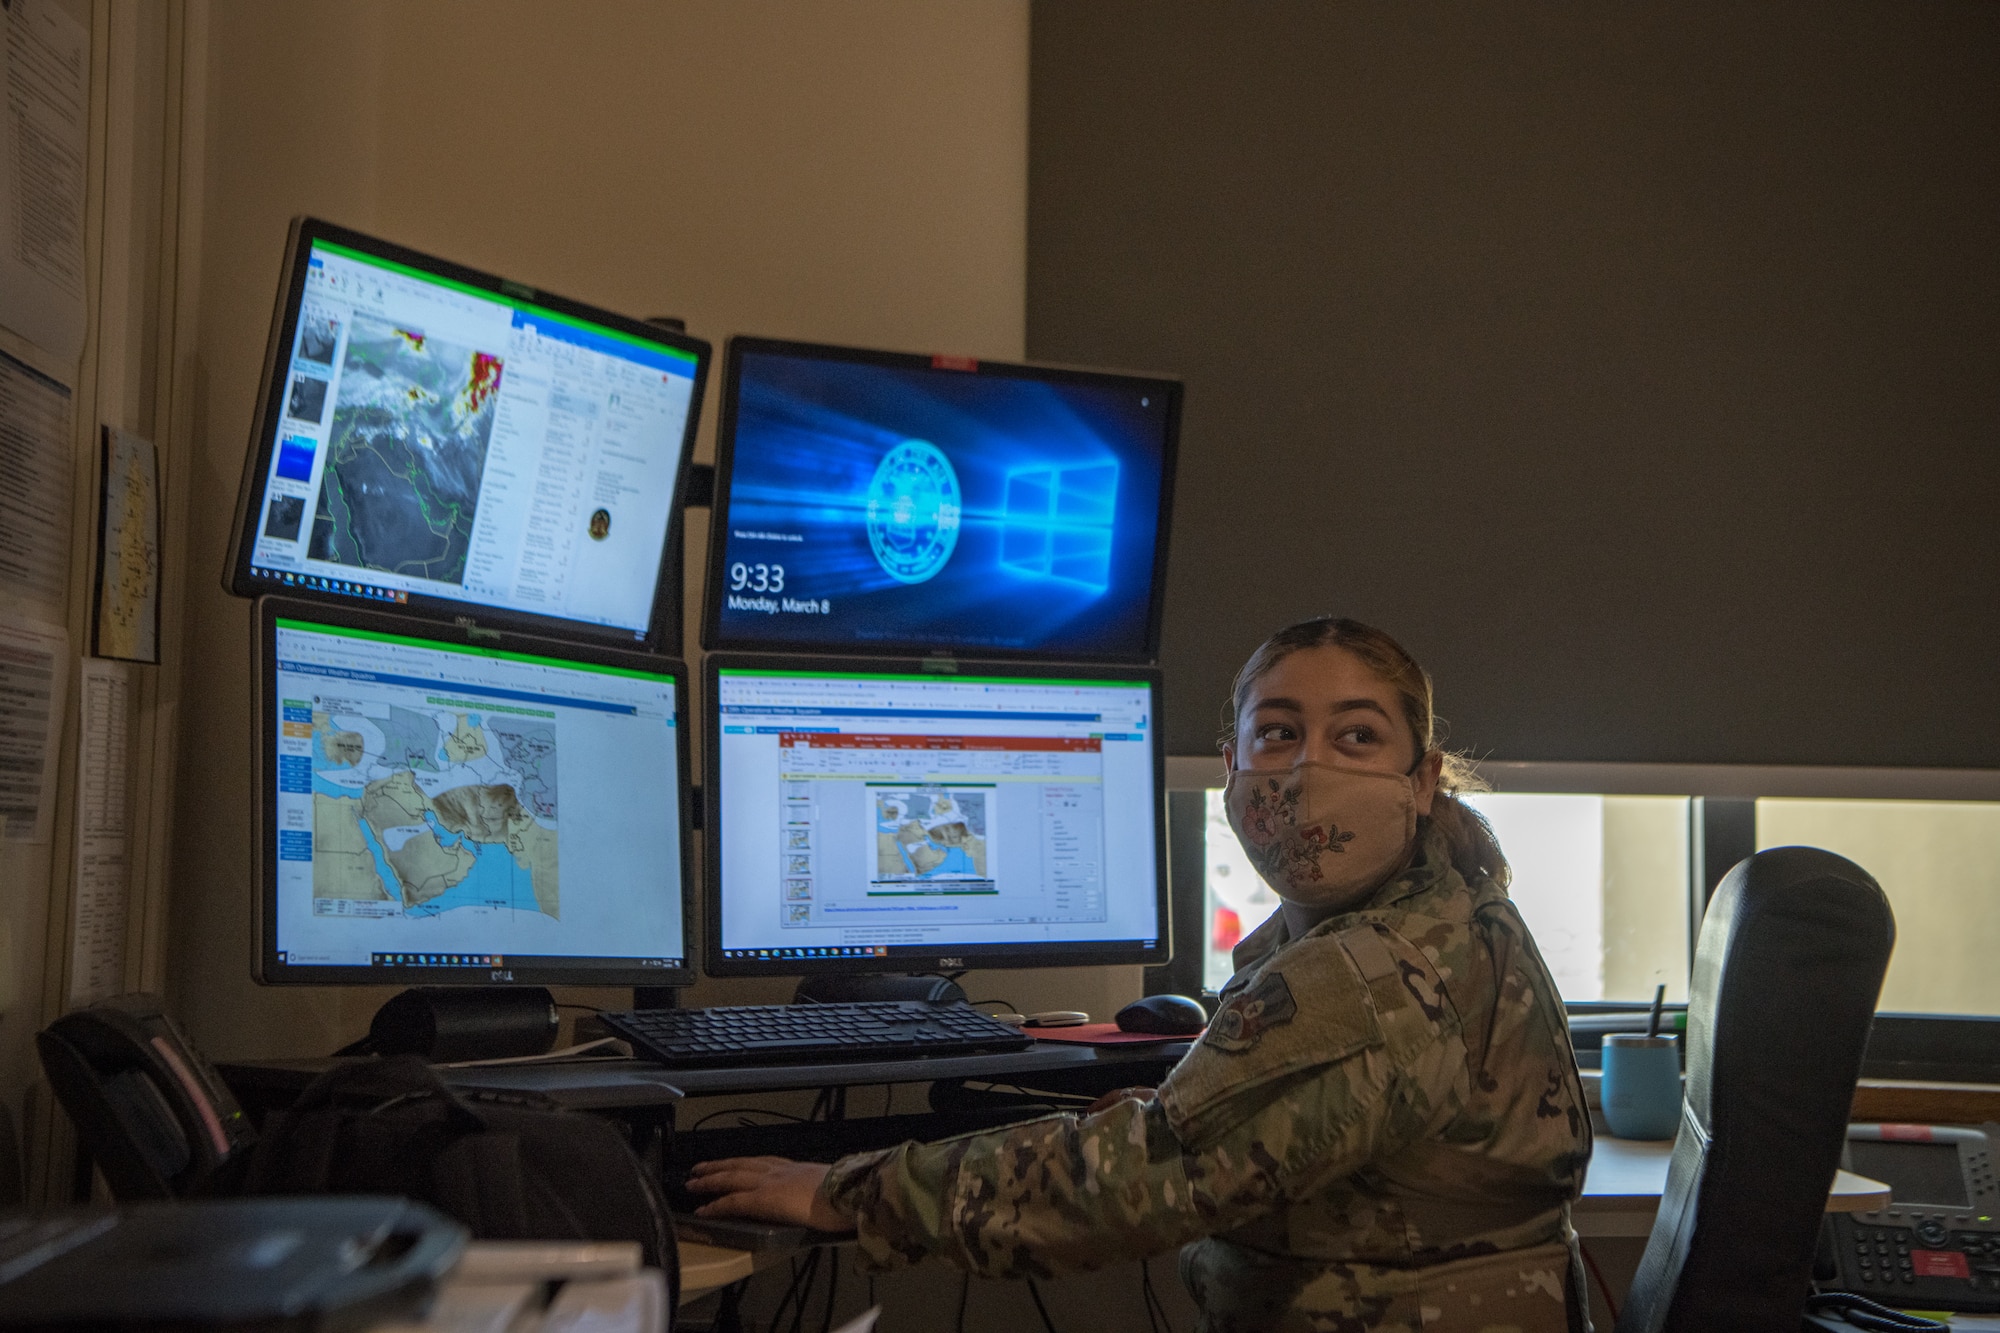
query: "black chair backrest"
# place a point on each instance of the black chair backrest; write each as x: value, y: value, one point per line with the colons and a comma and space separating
x: 1786, y: 976
x: 148, y: 1108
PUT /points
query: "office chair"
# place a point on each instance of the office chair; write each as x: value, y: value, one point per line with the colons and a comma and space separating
x: 148, y: 1108
x: 1786, y: 976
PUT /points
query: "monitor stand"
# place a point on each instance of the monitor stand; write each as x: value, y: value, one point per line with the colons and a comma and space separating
x: 656, y: 997
x: 448, y: 1023
x: 840, y: 989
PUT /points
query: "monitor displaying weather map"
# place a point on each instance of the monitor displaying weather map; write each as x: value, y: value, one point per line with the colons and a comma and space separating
x: 885, y: 815
x: 492, y: 813
x: 871, y: 500
x: 433, y: 441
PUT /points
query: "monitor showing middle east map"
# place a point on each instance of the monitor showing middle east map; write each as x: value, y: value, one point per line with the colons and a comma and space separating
x: 449, y: 812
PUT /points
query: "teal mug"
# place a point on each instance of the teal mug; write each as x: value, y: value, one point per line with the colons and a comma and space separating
x: 1642, y: 1085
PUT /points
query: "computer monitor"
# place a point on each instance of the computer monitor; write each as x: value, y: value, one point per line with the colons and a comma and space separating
x: 881, y: 502
x: 866, y: 816
x: 433, y: 810
x: 438, y: 438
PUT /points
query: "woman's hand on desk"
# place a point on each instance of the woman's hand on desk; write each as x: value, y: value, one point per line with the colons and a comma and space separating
x: 767, y: 1189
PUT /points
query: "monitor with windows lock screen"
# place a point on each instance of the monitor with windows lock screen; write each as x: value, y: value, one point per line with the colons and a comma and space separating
x: 437, y: 811
x: 437, y: 439
x: 881, y: 502
x: 868, y: 816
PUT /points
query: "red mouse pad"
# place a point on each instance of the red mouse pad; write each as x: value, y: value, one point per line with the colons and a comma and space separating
x: 1104, y: 1034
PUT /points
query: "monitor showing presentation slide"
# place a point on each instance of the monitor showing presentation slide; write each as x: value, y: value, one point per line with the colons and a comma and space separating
x: 869, y: 817
x: 443, y: 812
x: 438, y: 438
x: 874, y: 501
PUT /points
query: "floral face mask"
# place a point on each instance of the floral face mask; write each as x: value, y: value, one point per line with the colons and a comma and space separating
x: 1322, y: 835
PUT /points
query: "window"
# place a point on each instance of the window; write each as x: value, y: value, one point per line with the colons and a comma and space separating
x: 1602, y: 881
x: 1939, y: 864
x: 1239, y: 900
x: 1606, y: 883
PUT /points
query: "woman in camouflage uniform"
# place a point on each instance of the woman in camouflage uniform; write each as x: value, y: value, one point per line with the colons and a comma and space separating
x: 1382, y: 1128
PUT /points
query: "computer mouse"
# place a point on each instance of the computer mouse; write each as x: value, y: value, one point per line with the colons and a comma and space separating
x: 1163, y: 1016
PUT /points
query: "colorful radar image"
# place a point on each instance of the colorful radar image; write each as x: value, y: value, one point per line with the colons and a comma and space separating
x: 406, y: 454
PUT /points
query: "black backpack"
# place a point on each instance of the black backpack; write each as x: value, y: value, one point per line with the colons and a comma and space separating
x: 514, y: 1167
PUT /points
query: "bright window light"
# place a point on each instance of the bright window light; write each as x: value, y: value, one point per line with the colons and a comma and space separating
x: 1602, y: 882
x: 1939, y: 864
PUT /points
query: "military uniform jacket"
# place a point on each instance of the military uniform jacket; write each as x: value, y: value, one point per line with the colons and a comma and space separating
x: 1382, y: 1129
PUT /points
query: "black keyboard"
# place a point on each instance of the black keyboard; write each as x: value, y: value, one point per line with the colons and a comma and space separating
x: 753, y: 1034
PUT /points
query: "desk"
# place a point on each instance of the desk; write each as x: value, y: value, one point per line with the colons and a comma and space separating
x: 1927, y: 1102
x: 1621, y: 1193
x: 627, y: 1085
x: 707, y: 1267
x: 1622, y: 1190
x: 578, y: 1085
x: 1048, y: 1066
x: 645, y: 1094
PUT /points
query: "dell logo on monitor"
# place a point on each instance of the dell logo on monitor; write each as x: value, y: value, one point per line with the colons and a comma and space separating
x: 951, y: 962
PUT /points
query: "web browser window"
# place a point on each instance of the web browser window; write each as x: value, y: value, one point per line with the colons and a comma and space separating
x: 863, y: 813
x: 440, y: 440
x: 440, y: 806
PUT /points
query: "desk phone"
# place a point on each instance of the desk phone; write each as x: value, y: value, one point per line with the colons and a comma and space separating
x: 1937, y: 1245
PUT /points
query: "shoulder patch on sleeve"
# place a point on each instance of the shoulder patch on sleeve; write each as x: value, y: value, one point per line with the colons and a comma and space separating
x: 1309, y: 1008
x: 1241, y: 1023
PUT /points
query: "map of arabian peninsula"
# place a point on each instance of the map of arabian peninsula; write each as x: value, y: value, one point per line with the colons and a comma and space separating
x: 406, y: 453
x: 930, y: 834
x: 426, y: 811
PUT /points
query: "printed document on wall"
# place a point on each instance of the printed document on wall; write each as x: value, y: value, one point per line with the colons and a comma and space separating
x: 103, y: 876
x: 47, y: 99
x: 36, y: 467
x: 32, y: 663
x: 128, y: 551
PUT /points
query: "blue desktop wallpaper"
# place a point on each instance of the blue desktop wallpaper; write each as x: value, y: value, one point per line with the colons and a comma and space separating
x: 920, y: 508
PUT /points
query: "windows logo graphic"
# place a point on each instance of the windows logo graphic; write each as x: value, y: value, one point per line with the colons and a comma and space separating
x: 1056, y: 523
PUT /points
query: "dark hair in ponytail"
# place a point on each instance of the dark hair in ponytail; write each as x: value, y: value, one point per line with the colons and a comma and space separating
x: 1475, y: 853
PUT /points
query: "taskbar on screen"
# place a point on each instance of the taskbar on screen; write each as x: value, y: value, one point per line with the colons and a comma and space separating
x: 923, y: 951
x: 346, y: 587
x: 492, y: 961
x: 289, y: 581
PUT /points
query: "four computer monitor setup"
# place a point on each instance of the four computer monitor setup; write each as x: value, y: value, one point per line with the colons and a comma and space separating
x: 928, y: 716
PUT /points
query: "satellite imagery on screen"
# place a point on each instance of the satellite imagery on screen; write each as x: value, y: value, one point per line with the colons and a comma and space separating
x: 407, y: 452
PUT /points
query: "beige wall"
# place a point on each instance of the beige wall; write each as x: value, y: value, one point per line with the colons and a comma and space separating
x: 853, y: 173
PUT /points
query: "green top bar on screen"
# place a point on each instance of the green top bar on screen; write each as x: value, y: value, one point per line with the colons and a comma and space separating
x: 501, y: 298
x: 470, y: 650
